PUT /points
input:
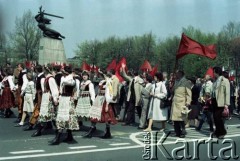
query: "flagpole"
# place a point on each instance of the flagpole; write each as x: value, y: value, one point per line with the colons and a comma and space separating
x: 176, y: 65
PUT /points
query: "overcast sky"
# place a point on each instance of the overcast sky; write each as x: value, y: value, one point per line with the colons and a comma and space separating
x: 99, y: 19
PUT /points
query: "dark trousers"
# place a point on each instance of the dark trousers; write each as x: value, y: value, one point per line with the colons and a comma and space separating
x: 20, y: 102
x: 139, y: 111
x: 179, y: 127
x: 116, y: 109
x: 207, y: 115
x: 232, y: 105
x: 130, y: 112
x: 218, y: 119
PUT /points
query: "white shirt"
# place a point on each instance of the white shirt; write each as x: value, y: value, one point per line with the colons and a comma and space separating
x: 68, y: 80
x: 53, y: 87
x: 25, y: 80
x: 91, y: 89
x: 41, y: 81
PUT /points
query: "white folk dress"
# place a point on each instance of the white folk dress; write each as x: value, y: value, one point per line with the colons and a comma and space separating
x: 86, y: 98
x: 29, y: 94
x: 50, y: 94
x: 66, y: 113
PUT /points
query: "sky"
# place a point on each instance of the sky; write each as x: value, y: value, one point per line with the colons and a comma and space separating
x: 86, y: 20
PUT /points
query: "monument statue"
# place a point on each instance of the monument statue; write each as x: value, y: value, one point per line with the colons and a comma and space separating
x: 43, y: 22
x: 51, y: 48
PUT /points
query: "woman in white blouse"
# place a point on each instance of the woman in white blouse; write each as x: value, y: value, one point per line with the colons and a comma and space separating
x: 29, y: 95
x: 49, y: 101
x: 158, y: 93
x: 66, y: 118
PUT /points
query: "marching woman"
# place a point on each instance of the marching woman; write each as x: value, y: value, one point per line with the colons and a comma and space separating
x: 86, y: 99
x: 66, y: 114
x: 7, y: 98
x: 102, y: 109
x: 49, y: 101
x: 39, y: 84
x: 29, y: 94
x: 158, y: 93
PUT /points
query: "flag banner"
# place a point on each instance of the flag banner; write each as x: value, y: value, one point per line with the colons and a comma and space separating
x: 210, y: 72
x: 154, y: 70
x: 112, y: 65
x: 121, y: 63
x: 85, y: 66
x: 146, y: 66
x: 190, y: 46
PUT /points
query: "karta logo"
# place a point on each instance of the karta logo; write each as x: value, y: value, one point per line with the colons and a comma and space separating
x: 224, y: 149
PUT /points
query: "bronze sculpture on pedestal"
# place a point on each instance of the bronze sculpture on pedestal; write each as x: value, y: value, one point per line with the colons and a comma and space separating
x: 43, y: 22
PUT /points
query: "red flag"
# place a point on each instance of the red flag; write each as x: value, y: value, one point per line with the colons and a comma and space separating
x: 28, y: 64
x: 94, y: 68
x: 112, y: 65
x: 231, y: 78
x: 154, y: 70
x: 146, y: 66
x: 190, y: 46
x: 85, y: 66
x: 121, y: 63
x: 210, y: 72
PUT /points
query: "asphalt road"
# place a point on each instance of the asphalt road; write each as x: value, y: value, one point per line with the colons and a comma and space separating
x: 128, y: 144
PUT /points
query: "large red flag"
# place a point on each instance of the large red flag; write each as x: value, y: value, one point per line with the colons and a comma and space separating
x: 120, y: 64
x: 112, y: 65
x: 190, y: 46
x: 154, y: 70
x: 146, y: 66
x: 85, y: 66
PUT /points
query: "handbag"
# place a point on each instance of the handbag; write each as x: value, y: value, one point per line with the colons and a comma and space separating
x: 225, y: 112
x: 162, y: 101
x: 162, y: 104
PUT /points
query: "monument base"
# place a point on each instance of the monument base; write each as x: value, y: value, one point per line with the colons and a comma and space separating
x: 51, y: 50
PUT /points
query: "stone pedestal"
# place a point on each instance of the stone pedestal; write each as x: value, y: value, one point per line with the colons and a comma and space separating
x: 51, y: 50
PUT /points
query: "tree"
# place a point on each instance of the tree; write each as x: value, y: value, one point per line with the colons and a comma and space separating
x: 26, y: 36
x: 166, y: 53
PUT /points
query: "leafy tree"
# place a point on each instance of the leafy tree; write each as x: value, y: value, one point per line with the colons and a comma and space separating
x: 163, y: 51
x: 25, y: 37
x: 3, y: 55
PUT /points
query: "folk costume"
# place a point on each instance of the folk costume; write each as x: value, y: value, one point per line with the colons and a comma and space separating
x: 22, y: 82
x: 86, y: 98
x: 37, y: 101
x: 7, y: 97
x: 102, y: 111
x: 29, y: 95
x: 47, y: 109
x: 66, y: 115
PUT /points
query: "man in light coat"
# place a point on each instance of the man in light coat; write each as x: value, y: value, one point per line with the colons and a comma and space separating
x: 145, y: 101
x: 220, y: 101
x: 133, y: 96
x: 115, y: 91
x: 182, y: 98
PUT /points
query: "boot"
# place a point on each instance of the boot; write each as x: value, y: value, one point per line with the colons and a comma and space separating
x: 29, y: 127
x: 90, y: 132
x: 69, y: 137
x: 56, y: 140
x: 38, y: 132
x: 8, y: 113
x: 107, y: 134
x: 80, y: 123
x: 48, y: 125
